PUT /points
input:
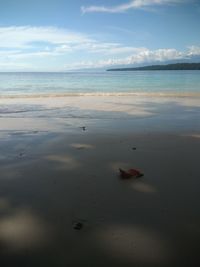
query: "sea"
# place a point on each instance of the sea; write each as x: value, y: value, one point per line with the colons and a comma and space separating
x: 29, y: 84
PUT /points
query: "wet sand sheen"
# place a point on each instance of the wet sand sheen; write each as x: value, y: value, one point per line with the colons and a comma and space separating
x: 52, y: 181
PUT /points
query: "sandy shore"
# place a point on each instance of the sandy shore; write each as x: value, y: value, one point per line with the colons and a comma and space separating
x: 56, y: 176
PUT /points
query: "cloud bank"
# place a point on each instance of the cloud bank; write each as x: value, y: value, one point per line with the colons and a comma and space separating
x: 143, y: 55
x: 51, y: 48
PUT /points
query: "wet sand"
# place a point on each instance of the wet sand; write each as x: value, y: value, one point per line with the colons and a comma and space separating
x: 55, y: 175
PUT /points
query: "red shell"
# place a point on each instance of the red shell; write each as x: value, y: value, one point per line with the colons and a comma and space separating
x: 130, y: 173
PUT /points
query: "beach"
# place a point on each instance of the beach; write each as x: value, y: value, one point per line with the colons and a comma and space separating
x: 99, y: 133
x: 62, y: 200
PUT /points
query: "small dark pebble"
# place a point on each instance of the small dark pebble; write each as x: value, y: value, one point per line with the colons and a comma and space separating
x: 133, y: 148
x: 77, y: 226
x: 83, y: 128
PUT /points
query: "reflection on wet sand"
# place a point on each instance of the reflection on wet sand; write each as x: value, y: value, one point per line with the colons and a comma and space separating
x: 193, y: 136
x: 147, y: 222
x: 134, y: 244
x: 64, y: 161
x: 4, y: 204
x: 143, y: 187
x: 82, y: 146
x: 21, y: 229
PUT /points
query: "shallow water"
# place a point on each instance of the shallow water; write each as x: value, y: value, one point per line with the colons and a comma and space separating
x: 140, y: 82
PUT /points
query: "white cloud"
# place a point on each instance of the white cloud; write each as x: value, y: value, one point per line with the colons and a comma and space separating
x: 141, y: 55
x: 7, y: 66
x: 7, y: 53
x: 105, y: 48
x: 134, y: 4
x: 64, y: 48
x: 26, y: 42
x: 194, y: 50
x: 50, y: 47
x: 24, y: 36
x: 33, y: 54
x: 156, y: 55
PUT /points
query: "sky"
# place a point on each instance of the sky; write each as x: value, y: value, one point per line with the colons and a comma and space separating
x: 62, y: 35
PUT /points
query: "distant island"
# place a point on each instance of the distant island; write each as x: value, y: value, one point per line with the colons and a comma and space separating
x: 177, y: 66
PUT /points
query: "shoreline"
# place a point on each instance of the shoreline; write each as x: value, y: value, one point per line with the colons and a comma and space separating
x: 95, y: 94
x: 132, y: 112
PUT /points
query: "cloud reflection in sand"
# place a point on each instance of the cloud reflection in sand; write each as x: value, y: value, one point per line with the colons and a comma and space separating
x: 64, y: 161
x: 143, y: 187
x: 133, y: 244
x: 82, y: 146
x: 21, y: 230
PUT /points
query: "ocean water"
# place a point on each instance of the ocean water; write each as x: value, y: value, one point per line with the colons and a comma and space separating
x: 144, y: 82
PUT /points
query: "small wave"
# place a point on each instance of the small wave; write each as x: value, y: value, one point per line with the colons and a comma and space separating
x: 107, y: 94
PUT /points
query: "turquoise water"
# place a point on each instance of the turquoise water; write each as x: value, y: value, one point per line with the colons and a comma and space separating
x: 100, y: 82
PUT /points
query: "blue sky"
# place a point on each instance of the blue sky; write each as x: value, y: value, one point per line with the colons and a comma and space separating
x: 59, y: 35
